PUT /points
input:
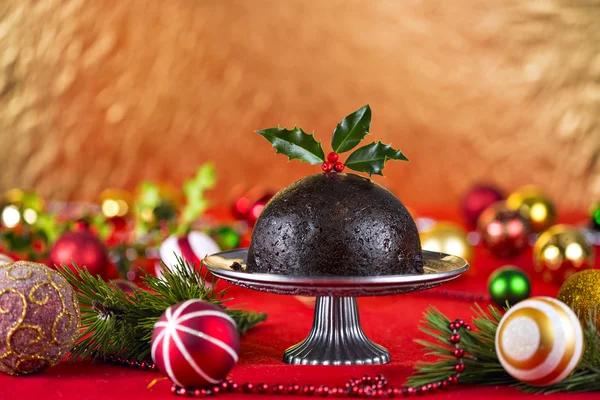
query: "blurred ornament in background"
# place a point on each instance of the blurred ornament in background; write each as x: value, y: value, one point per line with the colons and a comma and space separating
x: 21, y: 207
x: 509, y: 284
x: 192, y: 247
x: 560, y: 252
x: 80, y: 248
x: 249, y: 204
x: 226, y: 237
x: 115, y: 202
x: 534, y: 206
x: 447, y: 237
x: 503, y: 231
x: 257, y: 208
x: 539, y: 341
x: 4, y: 259
x: 477, y: 200
x: 595, y: 216
x: 581, y: 292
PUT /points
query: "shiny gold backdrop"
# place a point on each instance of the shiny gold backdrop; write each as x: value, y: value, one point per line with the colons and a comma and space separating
x: 102, y: 93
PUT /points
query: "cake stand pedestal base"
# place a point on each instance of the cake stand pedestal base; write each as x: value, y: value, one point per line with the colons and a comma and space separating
x: 336, y: 337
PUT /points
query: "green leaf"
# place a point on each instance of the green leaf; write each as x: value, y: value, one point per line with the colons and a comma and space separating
x: 194, y: 189
x: 295, y: 143
x: 372, y: 157
x: 351, y: 130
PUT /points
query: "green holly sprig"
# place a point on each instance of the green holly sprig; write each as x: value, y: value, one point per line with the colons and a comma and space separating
x: 297, y: 144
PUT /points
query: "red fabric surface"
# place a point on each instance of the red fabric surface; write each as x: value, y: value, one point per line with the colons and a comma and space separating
x: 389, y: 321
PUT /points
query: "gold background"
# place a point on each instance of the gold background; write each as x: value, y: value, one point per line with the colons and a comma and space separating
x: 103, y: 93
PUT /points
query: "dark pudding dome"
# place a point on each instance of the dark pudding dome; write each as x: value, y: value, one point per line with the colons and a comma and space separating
x: 335, y: 224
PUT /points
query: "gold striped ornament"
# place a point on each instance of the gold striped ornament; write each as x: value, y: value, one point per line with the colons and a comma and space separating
x: 539, y: 341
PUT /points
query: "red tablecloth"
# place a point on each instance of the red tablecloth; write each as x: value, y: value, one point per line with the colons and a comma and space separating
x: 389, y: 321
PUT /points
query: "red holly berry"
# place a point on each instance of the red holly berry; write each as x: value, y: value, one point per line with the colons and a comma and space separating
x: 327, y: 166
x: 338, y: 166
x: 332, y: 157
x: 455, y: 338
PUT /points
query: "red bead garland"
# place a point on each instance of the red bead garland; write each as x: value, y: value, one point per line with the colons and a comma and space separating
x: 367, y: 386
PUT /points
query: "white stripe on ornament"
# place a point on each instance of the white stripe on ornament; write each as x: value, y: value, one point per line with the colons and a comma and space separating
x: 190, y: 360
x: 169, y: 314
x: 573, y: 333
x: 166, y: 357
x: 183, y: 307
x: 161, y: 323
x: 160, y: 336
x: 206, y: 313
x: 211, y: 339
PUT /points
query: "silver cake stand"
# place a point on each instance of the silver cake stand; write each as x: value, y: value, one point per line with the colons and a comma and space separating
x: 336, y: 337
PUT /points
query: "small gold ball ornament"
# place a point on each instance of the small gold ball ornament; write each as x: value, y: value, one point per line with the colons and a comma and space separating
x: 581, y: 292
x: 449, y: 238
x: 534, y: 206
x: 560, y: 252
x: 539, y: 341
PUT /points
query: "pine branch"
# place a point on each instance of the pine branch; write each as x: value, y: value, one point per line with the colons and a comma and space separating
x: 115, y: 322
x: 481, y: 363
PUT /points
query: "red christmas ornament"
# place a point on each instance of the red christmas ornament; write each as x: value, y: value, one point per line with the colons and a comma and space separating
x: 477, y: 200
x: 195, y: 343
x: 503, y: 231
x: 257, y: 208
x: 81, y: 248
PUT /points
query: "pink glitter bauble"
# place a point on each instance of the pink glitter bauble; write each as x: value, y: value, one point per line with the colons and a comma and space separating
x: 39, y: 317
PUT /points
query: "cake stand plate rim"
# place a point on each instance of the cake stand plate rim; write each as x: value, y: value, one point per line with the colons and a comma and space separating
x: 220, y: 265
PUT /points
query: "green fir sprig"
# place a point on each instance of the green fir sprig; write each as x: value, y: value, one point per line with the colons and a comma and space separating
x: 116, y: 322
x: 482, y: 366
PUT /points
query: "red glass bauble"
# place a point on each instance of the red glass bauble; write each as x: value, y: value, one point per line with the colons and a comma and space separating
x: 82, y: 249
x: 477, y: 200
x: 503, y: 231
x: 257, y: 208
x: 195, y: 343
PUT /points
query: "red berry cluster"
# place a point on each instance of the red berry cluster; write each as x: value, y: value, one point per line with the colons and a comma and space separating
x: 367, y: 386
x: 332, y: 163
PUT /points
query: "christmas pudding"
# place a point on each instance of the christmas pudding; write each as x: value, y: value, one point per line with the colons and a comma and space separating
x: 335, y: 224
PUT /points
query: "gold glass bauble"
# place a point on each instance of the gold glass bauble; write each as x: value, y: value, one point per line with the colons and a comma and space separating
x: 581, y: 292
x: 534, y: 206
x: 560, y: 252
x: 539, y: 341
x: 446, y: 237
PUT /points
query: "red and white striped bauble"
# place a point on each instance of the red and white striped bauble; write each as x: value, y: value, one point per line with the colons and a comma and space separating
x: 195, y: 343
x: 539, y: 341
x: 192, y: 247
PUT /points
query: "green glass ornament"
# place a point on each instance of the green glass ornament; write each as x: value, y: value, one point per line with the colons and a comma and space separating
x: 226, y: 237
x: 508, y: 284
x: 595, y: 215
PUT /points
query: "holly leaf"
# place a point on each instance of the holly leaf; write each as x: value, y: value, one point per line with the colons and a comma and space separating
x: 351, y: 130
x: 295, y: 144
x: 372, y: 157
